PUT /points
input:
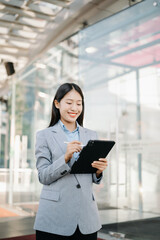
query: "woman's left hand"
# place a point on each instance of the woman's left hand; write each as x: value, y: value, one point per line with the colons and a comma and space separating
x: 100, y: 165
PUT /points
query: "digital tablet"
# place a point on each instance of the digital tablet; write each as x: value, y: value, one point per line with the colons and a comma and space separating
x: 94, y: 150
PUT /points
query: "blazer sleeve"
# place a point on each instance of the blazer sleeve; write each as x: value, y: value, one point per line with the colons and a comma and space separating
x: 48, y: 170
x: 94, y: 177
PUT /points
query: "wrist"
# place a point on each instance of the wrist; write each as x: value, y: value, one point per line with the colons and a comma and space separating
x: 66, y: 158
x: 98, y: 173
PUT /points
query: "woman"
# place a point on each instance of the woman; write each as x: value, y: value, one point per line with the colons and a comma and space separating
x: 67, y: 208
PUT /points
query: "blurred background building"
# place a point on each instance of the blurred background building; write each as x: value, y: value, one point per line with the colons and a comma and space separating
x: 112, y: 50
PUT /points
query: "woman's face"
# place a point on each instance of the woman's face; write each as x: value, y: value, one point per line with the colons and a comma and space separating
x: 70, y: 107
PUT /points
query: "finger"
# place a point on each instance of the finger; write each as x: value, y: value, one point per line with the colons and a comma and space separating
x: 100, y: 163
x: 75, y: 149
x: 102, y: 159
x: 74, y: 146
x: 75, y: 142
x: 99, y: 166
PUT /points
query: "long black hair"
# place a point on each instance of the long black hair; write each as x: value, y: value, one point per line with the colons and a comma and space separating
x: 61, y: 92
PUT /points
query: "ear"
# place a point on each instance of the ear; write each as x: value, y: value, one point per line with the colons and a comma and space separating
x: 56, y: 103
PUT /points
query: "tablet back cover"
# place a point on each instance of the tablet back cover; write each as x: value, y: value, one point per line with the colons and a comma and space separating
x: 94, y: 150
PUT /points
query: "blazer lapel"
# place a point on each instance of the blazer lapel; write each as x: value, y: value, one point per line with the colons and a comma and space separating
x: 60, y: 137
x: 83, y: 135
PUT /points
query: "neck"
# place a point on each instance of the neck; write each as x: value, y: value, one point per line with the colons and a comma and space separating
x: 70, y: 126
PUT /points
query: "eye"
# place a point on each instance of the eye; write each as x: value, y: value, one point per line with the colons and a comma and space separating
x: 69, y: 103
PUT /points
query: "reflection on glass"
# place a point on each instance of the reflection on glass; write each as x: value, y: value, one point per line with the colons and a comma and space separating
x: 119, y: 66
x: 34, y: 90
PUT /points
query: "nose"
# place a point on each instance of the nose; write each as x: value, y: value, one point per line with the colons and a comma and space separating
x: 74, y: 107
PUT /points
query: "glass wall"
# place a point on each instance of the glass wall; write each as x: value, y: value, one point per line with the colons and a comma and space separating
x: 4, y: 147
x: 29, y: 110
x: 3, y: 132
x: 120, y: 68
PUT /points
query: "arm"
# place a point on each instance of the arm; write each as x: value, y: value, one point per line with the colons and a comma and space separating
x: 48, y: 170
x: 96, y: 178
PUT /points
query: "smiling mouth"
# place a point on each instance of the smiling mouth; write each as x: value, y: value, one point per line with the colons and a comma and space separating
x: 72, y: 114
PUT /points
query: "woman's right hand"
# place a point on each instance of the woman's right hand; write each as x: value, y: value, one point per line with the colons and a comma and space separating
x: 71, y: 148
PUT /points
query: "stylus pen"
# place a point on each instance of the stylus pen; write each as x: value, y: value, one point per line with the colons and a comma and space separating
x: 79, y: 145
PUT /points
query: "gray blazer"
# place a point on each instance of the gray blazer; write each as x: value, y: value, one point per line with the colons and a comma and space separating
x: 62, y: 204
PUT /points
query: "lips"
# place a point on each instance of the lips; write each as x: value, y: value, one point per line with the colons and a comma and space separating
x: 72, y: 115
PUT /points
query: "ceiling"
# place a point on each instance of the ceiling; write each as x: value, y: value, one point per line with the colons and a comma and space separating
x: 29, y: 27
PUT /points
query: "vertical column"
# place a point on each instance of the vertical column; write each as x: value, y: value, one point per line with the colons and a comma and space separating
x: 0, y: 125
x: 117, y: 146
x: 12, y: 138
x: 6, y: 155
x: 139, y: 137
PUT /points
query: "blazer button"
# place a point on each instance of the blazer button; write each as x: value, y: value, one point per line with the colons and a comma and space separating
x: 62, y: 173
x: 78, y: 186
